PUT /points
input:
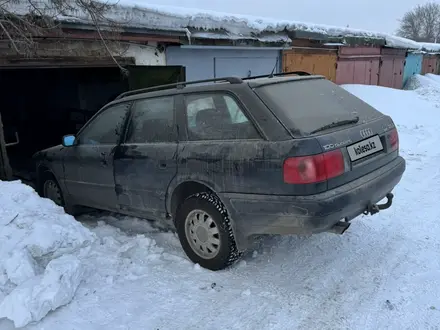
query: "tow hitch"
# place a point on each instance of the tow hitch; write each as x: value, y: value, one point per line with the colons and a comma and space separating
x: 375, y: 208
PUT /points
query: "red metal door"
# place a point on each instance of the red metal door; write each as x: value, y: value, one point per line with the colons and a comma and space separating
x: 345, y: 72
x: 358, y: 65
x: 360, y: 73
x: 374, y: 74
x: 386, y: 72
x: 391, y: 67
x: 425, y: 64
x: 398, y: 66
x: 429, y: 64
x: 433, y: 63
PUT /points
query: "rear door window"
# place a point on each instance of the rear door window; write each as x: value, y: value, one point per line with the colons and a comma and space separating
x: 307, y: 105
x: 217, y: 116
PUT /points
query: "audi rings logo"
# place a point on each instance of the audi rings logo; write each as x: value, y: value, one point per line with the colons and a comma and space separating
x: 366, y: 132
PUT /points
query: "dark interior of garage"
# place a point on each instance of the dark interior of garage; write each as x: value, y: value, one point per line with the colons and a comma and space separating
x: 39, y: 106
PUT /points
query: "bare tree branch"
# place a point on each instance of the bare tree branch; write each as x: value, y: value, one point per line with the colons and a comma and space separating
x: 23, y: 21
x: 10, y: 38
x: 95, y: 21
x: 422, y: 23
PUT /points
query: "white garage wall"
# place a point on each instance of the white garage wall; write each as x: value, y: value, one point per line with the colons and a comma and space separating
x: 207, y: 63
x: 145, y: 55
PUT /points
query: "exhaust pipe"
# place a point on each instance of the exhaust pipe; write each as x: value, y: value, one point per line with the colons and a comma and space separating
x: 339, y: 228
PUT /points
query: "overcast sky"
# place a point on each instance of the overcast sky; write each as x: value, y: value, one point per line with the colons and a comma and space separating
x: 376, y: 15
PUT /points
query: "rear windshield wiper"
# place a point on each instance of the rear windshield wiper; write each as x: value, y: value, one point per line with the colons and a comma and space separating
x: 336, y: 124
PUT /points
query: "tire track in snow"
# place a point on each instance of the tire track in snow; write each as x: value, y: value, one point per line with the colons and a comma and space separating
x: 387, y: 237
x: 319, y: 288
x: 403, y: 251
x: 357, y: 279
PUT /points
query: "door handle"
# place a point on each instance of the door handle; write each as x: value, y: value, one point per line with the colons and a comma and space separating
x: 104, y: 158
x: 162, y: 166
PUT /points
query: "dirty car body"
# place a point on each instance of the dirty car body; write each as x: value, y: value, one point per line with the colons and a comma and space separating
x: 275, y: 155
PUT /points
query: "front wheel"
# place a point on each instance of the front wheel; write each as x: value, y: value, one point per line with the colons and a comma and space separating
x: 205, y: 232
x: 52, y: 190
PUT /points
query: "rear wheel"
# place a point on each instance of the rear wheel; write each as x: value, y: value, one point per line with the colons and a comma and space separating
x: 205, y: 232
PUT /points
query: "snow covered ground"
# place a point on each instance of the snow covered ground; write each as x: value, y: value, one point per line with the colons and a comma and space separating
x: 383, y: 273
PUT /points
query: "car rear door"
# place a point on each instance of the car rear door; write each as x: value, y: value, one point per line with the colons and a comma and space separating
x: 146, y: 162
x: 88, y: 165
x: 223, y: 148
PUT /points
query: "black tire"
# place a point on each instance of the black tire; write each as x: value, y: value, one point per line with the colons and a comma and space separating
x: 49, y: 179
x: 227, y: 252
x: 73, y: 210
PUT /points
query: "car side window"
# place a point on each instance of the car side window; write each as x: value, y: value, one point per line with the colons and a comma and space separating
x: 217, y: 116
x: 152, y: 121
x: 237, y: 116
x: 107, y: 127
x: 196, y: 104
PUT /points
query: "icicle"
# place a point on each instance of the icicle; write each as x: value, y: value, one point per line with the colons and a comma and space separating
x: 188, y: 35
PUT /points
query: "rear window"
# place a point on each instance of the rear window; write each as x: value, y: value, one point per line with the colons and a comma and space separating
x: 307, y: 105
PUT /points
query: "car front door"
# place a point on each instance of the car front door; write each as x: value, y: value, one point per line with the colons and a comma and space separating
x: 146, y: 162
x: 88, y: 164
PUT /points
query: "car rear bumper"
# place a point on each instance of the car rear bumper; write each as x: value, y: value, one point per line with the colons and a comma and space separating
x: 269, y: 214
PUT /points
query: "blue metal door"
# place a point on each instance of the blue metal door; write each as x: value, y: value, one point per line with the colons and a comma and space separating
x: 413, y: 66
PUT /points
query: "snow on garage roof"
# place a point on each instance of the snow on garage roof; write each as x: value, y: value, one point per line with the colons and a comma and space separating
x: 138, y: 14
x: 430, y: 47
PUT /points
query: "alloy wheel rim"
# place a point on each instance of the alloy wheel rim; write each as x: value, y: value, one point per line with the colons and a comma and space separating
x: 202, y: 234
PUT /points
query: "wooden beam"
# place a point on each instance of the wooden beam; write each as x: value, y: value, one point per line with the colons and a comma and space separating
x: 16, y: 62
x: 123, y: 36
x: 5, y: 167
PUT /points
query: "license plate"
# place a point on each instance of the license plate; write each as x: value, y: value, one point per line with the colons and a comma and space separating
x: 365, y: 148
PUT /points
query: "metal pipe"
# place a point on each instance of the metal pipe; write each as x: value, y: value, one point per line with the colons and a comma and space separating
x: 339, y: 228
x: 232, y: 47
x: 17, y: 141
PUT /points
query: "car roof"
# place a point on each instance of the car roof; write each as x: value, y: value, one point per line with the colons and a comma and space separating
x: 207, y: 85
x: 258, y: 82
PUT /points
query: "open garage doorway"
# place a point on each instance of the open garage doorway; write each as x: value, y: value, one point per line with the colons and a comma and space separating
x: 40, y: 105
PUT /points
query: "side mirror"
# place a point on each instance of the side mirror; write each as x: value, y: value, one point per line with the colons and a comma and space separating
x: 68, y: 140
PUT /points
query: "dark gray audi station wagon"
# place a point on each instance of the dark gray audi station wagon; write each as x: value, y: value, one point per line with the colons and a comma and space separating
x: 226, y: 159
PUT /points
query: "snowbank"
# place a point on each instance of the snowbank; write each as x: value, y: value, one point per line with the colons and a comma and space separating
x: 434, y: 77
x: 427, y: 87
x: 40, y: 247
x: 417, y: 81
x: 412, y: 110
x: 398, y: 102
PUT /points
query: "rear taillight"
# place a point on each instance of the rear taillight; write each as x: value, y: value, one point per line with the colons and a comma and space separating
x: 393, y: 137
x: 312, y: 169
